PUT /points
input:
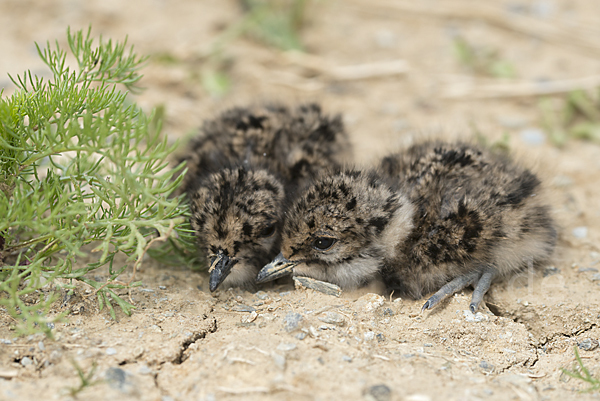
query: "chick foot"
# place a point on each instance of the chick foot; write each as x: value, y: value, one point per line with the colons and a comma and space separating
x: 481, y: 280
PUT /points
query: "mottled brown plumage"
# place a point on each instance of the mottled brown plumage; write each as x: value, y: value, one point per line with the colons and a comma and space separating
x: 436, y: 217
x: 241, y: 170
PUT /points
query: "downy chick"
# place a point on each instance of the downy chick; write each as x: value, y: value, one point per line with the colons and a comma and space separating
x: 241, y: 170
x: 437, y: 217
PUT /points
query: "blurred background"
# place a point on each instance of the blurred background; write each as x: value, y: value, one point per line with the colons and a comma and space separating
x: 396, y: 69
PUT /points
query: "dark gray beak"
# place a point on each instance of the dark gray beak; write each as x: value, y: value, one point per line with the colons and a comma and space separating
x: 220, y: 267
x: 279, y: 267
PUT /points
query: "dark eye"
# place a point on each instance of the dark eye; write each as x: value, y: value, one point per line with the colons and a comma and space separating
x: 267, y: 231
x: 323, y: 243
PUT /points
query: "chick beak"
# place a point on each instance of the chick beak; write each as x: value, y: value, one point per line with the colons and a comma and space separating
x: 279, y: 267
x: 220, y: 267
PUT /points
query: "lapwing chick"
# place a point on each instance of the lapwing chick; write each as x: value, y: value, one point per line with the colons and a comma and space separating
x: 437, y: 217
x: 242, y: 169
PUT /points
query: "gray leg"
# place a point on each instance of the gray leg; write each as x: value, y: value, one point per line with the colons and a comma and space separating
x: 452, y: 287
x: 482, y: 286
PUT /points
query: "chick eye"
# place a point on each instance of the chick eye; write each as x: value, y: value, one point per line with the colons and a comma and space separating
x: 267, y: 231
x: 323, y: 243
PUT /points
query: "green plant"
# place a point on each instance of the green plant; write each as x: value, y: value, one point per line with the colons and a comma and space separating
x: 580, y: 372
x: 575, y: 117
x: 275, y: 23
x: 482, y: 60
x: 85, y: 379
x: 80, y: 165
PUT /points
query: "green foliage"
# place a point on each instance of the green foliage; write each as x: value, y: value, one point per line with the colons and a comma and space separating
x: 276, y: 23
x: 580, y: 372
x: 482, y: 60
x: 85, y: 379
x: 575, y: 117
x: 80, y: 165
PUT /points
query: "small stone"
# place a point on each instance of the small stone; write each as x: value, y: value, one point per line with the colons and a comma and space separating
x: 588, y: 344
x: 550, y: 271
x: 474, y: 318
x: 427, y: 345
x: 243, y: 308
x: 369, y: 336
x: 486, y: 367
x: 292, y: 321
x: 279, y: 360
x: 262, y: 295
x: 26, y: 361
x: 346, y: 358
x: 533, y: 136
x: 369, y: 302
x: 41, y: 346
x: 286, y: 347
x: 146, y: 290
x: 301, y: 336
x: 250, y: 317
x: 5, y: 341
x: 162, y: 287
x: 580, y: 232
x: 380, y: 337
x: 144, y: 370
x: 596, y: 277
x: 379, y: 392
x: 587, y: 269
x: 116, y: 378
x: 332, y: 318
x: 111, y: 351
x: 388, y: 312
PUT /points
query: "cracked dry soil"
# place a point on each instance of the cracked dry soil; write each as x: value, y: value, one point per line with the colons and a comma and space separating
x: 183, y: 343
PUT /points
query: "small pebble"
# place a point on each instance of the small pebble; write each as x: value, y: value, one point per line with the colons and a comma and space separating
x: 346, y: 358
x: 292, y: 321
x: 588, y: 344
x: 486, y: 367
x: 279, y: 360
x: 369, y: 302
x: 596, y: 277
x: 250, y: 317
x: 286, y: 347
x: 474, y: 318
x: 587, y: 269
x: 369, y: 336
x: 380, y: 337
x: 116, y: 377
x: 111, y: 351
x: 5, y: 341
x: 550, y: 271
x: 41, y: 346
x: 146, y: 290
x: 388, y: 312
x: 533, y: 136
x: 26, y: 361
x: 580, y: 232
x: 243, y: 308
x: 379, y: 392
x: 301, y: 336
x: 162, y: 287
x: 262, y: 295
x: 144, y: 370
x: 332, y: 318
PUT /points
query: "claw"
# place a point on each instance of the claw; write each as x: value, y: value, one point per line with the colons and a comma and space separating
x: 458, y: 284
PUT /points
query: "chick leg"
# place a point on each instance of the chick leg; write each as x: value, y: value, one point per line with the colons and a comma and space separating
x: 452, y: 287
x: 481, y: 280
x: 482, y: 286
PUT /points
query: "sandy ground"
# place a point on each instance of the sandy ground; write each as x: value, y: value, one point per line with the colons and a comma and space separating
x: 185, y: 343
